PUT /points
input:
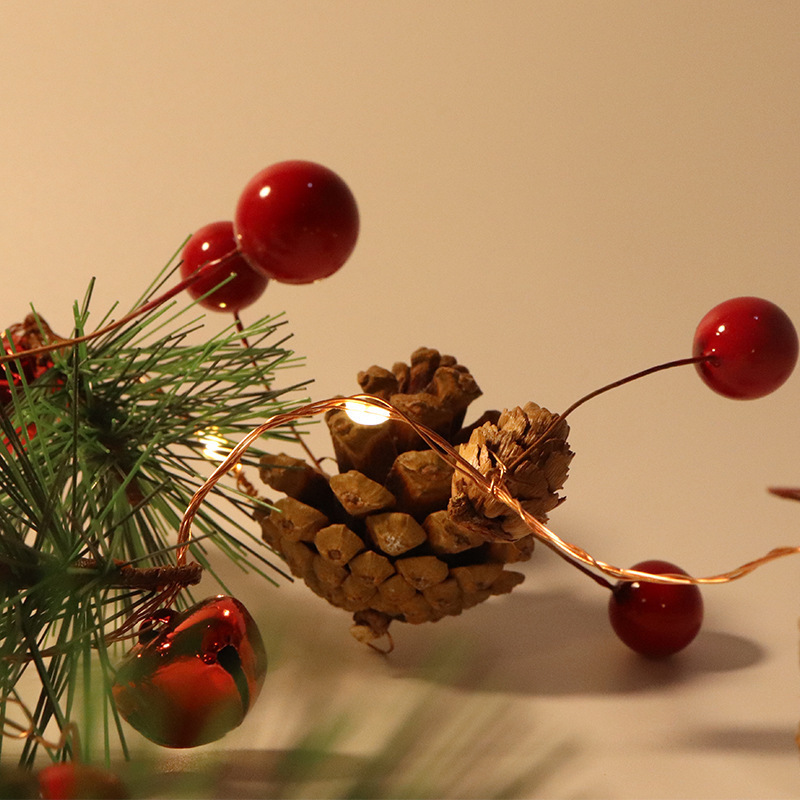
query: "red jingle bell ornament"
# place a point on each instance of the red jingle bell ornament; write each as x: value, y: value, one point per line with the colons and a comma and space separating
x: 194, y: 675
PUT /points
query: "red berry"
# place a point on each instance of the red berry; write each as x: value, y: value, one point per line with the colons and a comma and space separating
x: 210, y: 243
x: 656, y: 619
x: 296, y: 222
x: 69, y: 781
x: 752, y: 346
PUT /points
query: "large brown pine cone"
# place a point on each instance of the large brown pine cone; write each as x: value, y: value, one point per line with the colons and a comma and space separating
x: 377, y: 539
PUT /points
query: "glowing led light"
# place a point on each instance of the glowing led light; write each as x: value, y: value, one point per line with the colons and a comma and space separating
x: 215, y: 447
x: 364, y: 413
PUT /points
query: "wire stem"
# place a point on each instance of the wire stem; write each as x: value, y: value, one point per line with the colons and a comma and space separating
x: 496, y: 488
x: 112, y: 326
x: 681, y: 362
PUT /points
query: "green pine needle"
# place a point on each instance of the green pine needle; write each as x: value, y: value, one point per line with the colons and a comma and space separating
x: 99, y: 458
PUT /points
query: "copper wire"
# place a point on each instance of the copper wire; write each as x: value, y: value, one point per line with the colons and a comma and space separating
x: 145, y: 308
x: 493, y: 485
x: 13, y: 730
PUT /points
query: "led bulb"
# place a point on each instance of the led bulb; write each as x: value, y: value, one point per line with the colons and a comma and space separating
x: 215, y: 447
x: 363, y: 413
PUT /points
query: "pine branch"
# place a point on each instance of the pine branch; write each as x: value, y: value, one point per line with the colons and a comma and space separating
x: 102, y: 447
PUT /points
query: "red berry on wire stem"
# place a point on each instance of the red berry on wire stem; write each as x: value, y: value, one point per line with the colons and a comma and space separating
x: 69, y: 780
x: 750, y: 347
x: 296, y: 222
x: 216, y: 243
x: 656, y: 619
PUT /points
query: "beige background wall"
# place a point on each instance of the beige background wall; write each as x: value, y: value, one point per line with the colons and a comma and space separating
x: 555, y: 192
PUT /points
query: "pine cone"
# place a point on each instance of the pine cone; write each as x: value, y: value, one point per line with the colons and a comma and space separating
x: 377, y: 539
x: 534, y: 482
x: 32, y: 333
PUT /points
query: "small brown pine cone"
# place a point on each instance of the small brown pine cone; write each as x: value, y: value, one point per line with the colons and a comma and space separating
x: 494, y: 449
x: 397, y: 535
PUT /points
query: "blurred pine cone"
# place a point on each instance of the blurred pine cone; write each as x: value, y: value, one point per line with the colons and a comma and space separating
x: 32, y: 333
x: 377, y: 539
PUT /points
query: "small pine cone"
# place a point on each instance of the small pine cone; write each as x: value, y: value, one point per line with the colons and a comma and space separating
x: 535, y: 481
x: 34, y: 332
x: 380, y: 539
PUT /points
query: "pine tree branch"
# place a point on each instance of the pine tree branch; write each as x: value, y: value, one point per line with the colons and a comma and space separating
x: 102, y: 445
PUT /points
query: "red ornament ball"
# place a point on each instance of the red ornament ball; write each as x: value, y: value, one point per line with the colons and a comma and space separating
x: 210, y: 243
x: 752, y: 347
x: 656, y: 619
x: 69, y: 780
x: 194, y: 675
x: 296, y: 222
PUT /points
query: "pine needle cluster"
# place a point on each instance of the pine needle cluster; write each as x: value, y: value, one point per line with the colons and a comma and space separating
x: 101, y: 450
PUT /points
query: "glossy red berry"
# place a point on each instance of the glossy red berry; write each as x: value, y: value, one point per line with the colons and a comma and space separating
x: 73, y: 781
x: 212, y: 242
x: 296, y: 222
x: 752, y: 345
x: 656, y: 619
x: 194, y: 675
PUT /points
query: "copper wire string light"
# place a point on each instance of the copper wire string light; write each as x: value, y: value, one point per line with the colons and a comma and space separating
x: 493, y: 485
x: 15, y: 730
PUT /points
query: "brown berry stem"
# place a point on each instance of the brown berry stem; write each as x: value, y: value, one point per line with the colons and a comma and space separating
x: 681, y: 362
x: 112, y: 326
x: 586, y: 571
x: 785, y: 492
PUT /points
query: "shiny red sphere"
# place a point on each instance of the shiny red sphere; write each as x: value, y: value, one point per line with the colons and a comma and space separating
x: 194, y: 678
x: 296, y: 222
x: 752, y: 344
x: 71, y: 780
x: 212, y: 242
x: 656, y: 619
